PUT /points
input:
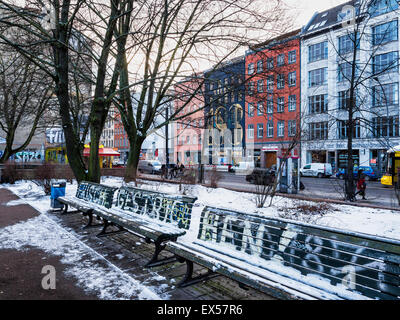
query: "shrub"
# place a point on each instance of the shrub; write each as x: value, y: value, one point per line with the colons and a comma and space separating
x: 43, y: 175
x: 9, y: 173
x: 214, y: 176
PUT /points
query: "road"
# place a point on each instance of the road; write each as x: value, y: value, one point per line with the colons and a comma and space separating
x: 321, y: 188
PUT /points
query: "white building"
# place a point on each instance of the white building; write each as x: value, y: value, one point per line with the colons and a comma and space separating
x: 326, y: 50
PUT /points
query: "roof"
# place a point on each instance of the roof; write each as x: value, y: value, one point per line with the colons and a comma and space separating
x: 276, y: 41
x: 322, y: 20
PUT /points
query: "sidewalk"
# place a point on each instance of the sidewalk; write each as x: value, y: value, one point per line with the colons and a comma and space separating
x: 20, y: 271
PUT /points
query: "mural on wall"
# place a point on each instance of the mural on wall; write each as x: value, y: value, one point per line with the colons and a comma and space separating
x: 293, y: 246
x: 55, y: 136
x: 170, y: 209
x: 28, y: 156
x: 99, y: 194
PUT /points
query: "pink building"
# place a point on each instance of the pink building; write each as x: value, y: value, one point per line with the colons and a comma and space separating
x: 189, y: 105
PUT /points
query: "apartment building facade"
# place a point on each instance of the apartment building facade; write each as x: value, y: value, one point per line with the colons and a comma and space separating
x: 369, y: 28
x: 272, y: 112
x: 189, y: 128
x: 225, y: 119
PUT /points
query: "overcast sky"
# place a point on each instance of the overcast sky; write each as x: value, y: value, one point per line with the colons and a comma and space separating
x: 305, y: 8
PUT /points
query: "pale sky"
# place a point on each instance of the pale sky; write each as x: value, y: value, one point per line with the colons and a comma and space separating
x: 304, y: 9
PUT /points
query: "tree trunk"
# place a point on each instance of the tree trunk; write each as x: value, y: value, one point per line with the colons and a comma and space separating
x: 133, y: 159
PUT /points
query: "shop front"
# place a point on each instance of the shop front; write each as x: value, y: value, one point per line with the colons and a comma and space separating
x: 106, y: 155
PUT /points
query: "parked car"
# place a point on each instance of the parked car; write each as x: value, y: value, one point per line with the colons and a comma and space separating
x: 149, y: 166
x: 261, y: 176
x: 369, y: 172
x: 243, y: 167
x: 320, y: 170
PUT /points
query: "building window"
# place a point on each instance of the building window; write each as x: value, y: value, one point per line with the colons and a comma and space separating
x: 343, y: 129
x: 281, y: 128
x: 318, y: 131
x: 270, y: 64
x: 385, y: 127
x: 292, y: 79
x: 281, y: 105
x: 318, y: 52
x: 385, y: 62
x: 250, y: 69
x: 344, y: 72
x: 317, y: 77
x: 292, y: 103
x: 251, y: 88
x: 280, y: 81
x: 251, y: 110
x: 280, y: 61
x: 270, y: 106
x: 270, y: 83
x: 346, y: 43
x: 385, y: 33
x: 378, y: 7
x: 292, y: 128
x: 385, y: 95
x: 260, y: 108
x: 260, y: 86
x: 292, y: 57
x: 260, y: 130
x: 270, y: 129
x: 260, y: 66
x: 318, y: 104
x: 343, y: 100
x: 250, y: 131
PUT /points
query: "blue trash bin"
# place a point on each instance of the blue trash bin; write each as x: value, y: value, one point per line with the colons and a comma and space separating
x: 57, y: 190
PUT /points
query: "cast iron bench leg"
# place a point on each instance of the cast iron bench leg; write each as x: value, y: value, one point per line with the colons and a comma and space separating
x: 188, y: 279
x: 155, y: 262
x: 104, y: 232
x: 90, y: 221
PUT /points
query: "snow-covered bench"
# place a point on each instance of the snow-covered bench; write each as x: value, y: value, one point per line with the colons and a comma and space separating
x: 156, y: 217
x: 290, y: 260
x: 89, y: 195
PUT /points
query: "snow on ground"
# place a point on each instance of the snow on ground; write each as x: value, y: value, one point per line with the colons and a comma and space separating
x: 40, y: 231
x: 385, y: 223
x: 91, y: 270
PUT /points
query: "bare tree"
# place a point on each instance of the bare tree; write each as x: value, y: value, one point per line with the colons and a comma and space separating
x: 362, y: 71
x: 65, y: 29
x: 168, y: 42
x: 25, y: 94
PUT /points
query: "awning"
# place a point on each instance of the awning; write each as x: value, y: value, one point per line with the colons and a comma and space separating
x: 103, y: 152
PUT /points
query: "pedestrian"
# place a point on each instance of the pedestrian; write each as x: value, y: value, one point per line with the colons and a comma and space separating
x: 361, y: 185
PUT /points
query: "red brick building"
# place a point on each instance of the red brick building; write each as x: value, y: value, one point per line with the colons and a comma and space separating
x: 188, y: 131
x: 273, y: 98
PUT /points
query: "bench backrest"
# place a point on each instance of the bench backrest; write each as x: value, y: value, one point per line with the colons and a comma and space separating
x: 171, y: 209
x: 96, y: 193
x: 366, y: 264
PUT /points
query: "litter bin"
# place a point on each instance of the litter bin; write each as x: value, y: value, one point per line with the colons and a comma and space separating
x: 57, y: 190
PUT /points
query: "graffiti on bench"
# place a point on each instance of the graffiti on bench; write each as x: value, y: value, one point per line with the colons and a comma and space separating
x: 96, y: 193
x: 289, y: 244
x: 170, y: 209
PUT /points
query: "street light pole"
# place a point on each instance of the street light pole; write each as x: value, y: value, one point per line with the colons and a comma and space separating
x: 166, y: 142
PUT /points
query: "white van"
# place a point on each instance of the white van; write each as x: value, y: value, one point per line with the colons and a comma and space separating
x: 320, y: 170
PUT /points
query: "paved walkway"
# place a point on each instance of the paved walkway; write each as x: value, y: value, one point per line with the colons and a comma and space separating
x: 20, y: 272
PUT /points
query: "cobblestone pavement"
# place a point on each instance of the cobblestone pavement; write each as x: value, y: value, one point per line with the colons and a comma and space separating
x: 130, y: 253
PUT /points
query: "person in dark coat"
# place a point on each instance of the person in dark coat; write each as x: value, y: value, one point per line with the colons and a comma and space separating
x: 361, y: 185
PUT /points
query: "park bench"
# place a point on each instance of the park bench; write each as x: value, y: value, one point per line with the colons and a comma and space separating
x: 88, y: 196
x: 290, y: 260
x: 157, y: 217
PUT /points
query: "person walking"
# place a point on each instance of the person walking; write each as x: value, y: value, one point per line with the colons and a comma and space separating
x: 361, y: 185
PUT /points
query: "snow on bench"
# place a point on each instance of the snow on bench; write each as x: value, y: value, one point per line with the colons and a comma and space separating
x: 291, y: 260
x: 88, y: 195
x: 157, y: 217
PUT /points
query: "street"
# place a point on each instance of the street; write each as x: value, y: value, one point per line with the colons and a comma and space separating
x: 320, y: 188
